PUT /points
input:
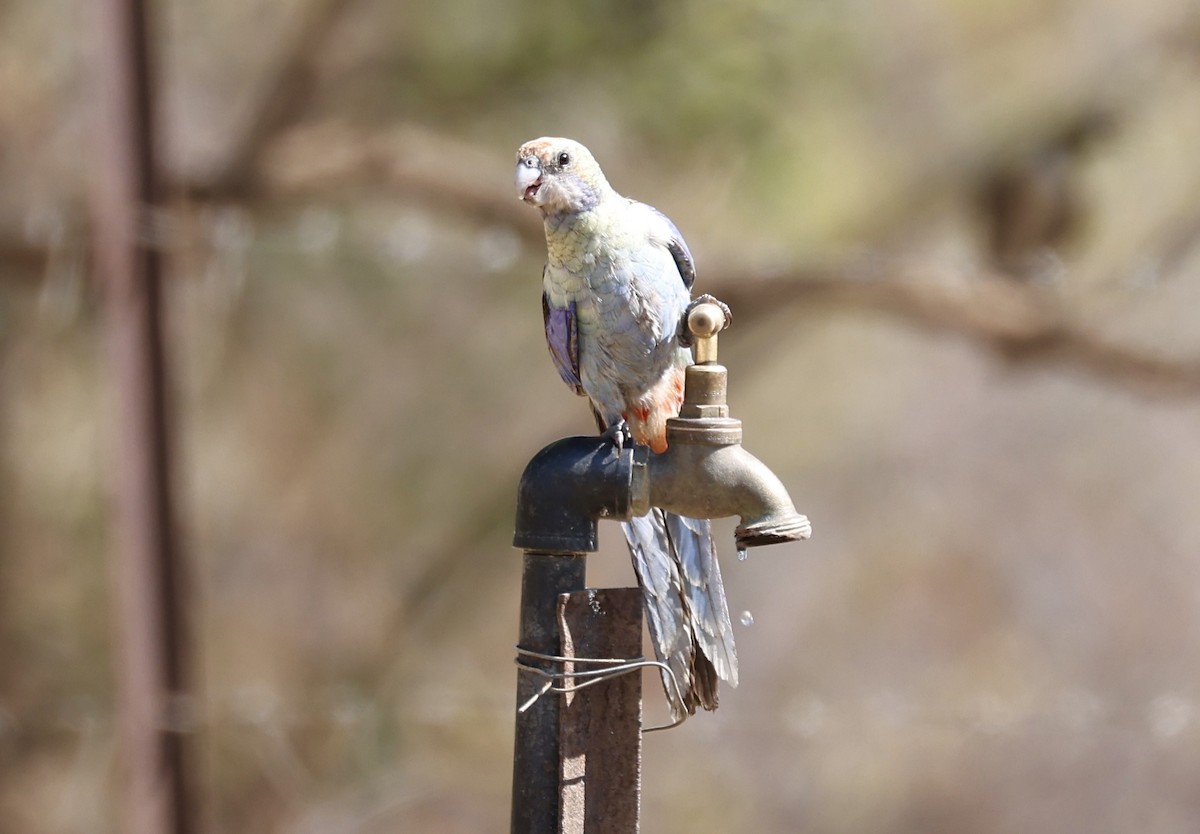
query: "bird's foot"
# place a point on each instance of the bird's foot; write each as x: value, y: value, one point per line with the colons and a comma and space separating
x: 619, y: 434
x: 683, y: 334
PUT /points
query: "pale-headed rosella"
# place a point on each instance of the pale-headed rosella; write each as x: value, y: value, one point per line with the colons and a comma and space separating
x: 617, y: 281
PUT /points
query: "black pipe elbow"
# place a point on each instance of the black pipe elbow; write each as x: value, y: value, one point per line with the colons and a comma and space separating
x: 566, y: 488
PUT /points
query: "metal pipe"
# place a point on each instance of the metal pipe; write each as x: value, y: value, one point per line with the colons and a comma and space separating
x: 150, y: 638
x: 570, y: 484
x: 536, y: 744
x: 565, y: 488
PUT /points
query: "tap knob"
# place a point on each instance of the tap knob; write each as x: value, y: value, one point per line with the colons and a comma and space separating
x: 706, y: 317
x: 705, y: 381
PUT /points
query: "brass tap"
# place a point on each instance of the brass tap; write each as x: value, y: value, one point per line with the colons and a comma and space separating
x: 705, y: 472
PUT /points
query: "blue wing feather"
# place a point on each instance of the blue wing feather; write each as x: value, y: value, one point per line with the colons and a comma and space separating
x: 562, y: 336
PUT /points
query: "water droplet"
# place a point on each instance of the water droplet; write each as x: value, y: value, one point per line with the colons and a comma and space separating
x: 747, y: 618
x: 742, y: 554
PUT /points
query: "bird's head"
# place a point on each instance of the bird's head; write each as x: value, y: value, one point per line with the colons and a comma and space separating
x: 559, y: 176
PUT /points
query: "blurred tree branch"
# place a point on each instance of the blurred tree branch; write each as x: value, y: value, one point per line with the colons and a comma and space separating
x: 408, y: 160
x: 283, y: 98
x: 1022, y: 323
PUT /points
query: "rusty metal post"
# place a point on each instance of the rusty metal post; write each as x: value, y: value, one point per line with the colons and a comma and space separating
x: 150, y: 635
x: 536, y: 743
x: 601, y: 741
x: 564, y: 490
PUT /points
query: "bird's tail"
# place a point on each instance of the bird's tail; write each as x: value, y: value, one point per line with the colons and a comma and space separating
x: 676, y: 563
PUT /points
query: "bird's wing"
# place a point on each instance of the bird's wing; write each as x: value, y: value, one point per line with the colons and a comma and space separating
x: 562, y: 336
x: 667, y: 234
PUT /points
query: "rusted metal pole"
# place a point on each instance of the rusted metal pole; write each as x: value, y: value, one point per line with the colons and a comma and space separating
x: 150, y: 652
x: 601, y: 725
x: 536, y: 755
x: 565, y: 488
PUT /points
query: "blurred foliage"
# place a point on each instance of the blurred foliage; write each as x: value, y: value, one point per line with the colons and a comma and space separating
x: 991, y: 629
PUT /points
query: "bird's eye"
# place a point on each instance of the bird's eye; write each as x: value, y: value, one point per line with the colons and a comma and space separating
x: 564, y: 159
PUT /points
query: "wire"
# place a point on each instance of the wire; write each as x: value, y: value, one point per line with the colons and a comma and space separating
x: 613, y: 668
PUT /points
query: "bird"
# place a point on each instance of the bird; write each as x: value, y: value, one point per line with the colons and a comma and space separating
x: 616, y: 285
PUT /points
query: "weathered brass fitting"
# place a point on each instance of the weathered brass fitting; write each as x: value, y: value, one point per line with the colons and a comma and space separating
x: 705, y: 472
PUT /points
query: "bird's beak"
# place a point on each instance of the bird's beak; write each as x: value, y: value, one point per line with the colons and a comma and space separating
x: 529, y: 179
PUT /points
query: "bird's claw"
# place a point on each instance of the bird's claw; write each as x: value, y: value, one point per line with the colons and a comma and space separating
x: 683, y: 334
x: 619, y: 434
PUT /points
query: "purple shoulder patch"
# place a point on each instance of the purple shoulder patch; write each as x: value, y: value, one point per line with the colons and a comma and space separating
x: 562, y: 336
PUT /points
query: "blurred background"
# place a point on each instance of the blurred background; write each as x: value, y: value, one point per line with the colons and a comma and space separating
x: 961, y: 241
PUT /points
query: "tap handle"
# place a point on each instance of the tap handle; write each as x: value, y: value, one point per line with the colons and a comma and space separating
x: 706, y: 317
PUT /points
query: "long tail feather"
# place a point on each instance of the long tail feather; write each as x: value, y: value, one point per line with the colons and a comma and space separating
x: 704, y: 591
x: 676, y: 563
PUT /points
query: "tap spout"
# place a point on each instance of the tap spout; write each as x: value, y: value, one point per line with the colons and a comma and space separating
x: 707, y: 474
